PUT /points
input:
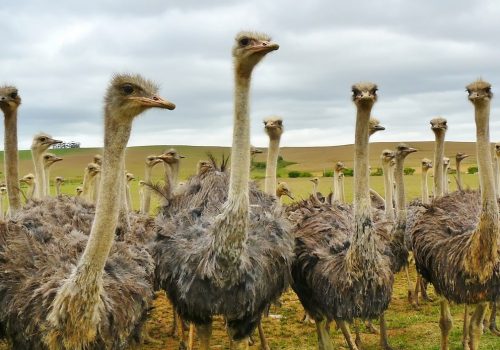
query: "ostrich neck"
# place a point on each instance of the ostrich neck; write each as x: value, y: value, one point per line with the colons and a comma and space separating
x: 11, y: 161
x: 459, y: 175
x: 58, y: 188
x: 497, y: 174
x: 425, y: 188
x: 336, y: 185
x: 146, y: 194
x: 438, y: 164
x: 362, y: 252
x: 445, y: 179
x: 389, y: 211
x: 231, y: 226
x: 91, y: 265
x: 483, y: 254
x: 272, y: 165
x: 400, y: 190
x: 86, y: 185
x: 47, y: 180
x: 341, y: 189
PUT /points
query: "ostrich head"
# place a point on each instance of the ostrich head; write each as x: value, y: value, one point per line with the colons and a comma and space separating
x: 98, y: 159
x: 152, y: 160
x: 93, y: 169
x: 364, y: 95
x: 439, y: 125
x: 254, y: 150
x: 49, y: 159
x: 79, y: 190
x: 274, y: 127
x: 142, y: 183
x: 42, y: 142
x: 339, y: 166
x: 9, y: 99
x: 314, y: 180
x: 129, y: 177
x: 426, y: 164
x: 446, y: 161
x: 3, y: 190
x: 249, y: 48
x: 129, y: 95
x: 460, y: 156
x: 283, y: 190
x: 171, y: 156
x: 479, y: 92
x: 28, y: 179
x: 497, y: 149
x: 374, y: 126
x: 60, y: 180
x: 204, y: 166
x: 386, y: 156
x: 403, y: 150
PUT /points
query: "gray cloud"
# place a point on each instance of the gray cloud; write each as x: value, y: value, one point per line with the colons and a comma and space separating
x: 61, y: 55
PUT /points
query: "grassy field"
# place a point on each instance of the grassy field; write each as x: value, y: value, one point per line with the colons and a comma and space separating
x: 409, y: 329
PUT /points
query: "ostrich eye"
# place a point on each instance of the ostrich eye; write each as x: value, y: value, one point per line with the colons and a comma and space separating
x: 244, y: 41
x: 128, y: 89
x: 13, y: 94
x: 488, y: 90
x: 43, y: 139
x: 468, y: 91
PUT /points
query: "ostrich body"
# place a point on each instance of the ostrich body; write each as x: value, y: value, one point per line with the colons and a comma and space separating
x: 274, y: 129
x: 75, y: 300
x: 458, y: 161
x: 59, y: 183
x: 455, y: 241
x: 41, y: 143
x: 9, y: 103
x: 227, y: 257
x: 151, y: 161
x: 339, y: 272
x: 49, y: 159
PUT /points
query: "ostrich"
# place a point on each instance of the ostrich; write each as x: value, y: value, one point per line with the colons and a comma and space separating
x: 352, y: 277
x: 128, y: 178
x: 458, y: 160
x: 29, y: 180
x: 151, y: 161
x: 9, y: 103
x: 3, y: 193
x: 446, y: 167
x: 41, y: 143
x: 338, y: 190
x: 171, y: 161
x: 85, y: 292
x: 386, y: 158
x: 274, y: 129
x: 455, y: 240
x: 79, y: 191
x: 426, y: 165
x: 49, y: 159
x: 228, y: 257
x: 283, y: 190
x: 59, y: 183
x: 317, y: 196
x: 89, y: 174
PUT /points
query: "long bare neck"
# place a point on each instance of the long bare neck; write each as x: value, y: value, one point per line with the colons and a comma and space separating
x: 46, y: 170
x: 11, y: 161
x: 389, y: 210
x: 341, y: 189
x: 438, y: 164
x: 2, y: 214
x: 87, y: 185
x: 315, y: 190
x: 459, y: 174
x: 362, y: 251
x: 483, y: 254
x: 400, y: 189
x: 129, y: 196
x: 272, y: 165
x: 95, y: 187
x: 145, y: 193
x: 445, y: 179
x: 231, y: 227
x: 39, y: 174
x: 425, y: 186
x: 91, y: 264
x: 497, y: 174
x: 58, y: 189
x: 336, y: 185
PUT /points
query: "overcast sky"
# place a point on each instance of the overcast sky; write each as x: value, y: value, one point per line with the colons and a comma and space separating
x: 61, y: 55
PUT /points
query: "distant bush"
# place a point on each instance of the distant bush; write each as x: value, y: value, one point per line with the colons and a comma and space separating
x: 408, y: 171
x: 295, y: 173
x: 377, y: 172
x: 327, y: 173
x: 472, y: 170
x: 259, y: 165
x: 348, y: 172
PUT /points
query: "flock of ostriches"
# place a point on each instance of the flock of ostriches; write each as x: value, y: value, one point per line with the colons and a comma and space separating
x: 81, y: 272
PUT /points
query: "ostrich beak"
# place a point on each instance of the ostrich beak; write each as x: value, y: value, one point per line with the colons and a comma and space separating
x: 290, y: 195
x: 181, y: 156
x: 379, y: 127
x: 154, y: 101
x: 265, y: 47
x: 53, y: 141
x: 412, y: 150
x: 57, y: 159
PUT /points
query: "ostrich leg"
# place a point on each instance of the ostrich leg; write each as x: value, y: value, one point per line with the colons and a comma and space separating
x: 493, y: 318
x: 445, y: 323
x: 191, y: 336
x: 476, y: 325
x: 411, y: 296
x: 344, y: 327
x: 263, y: 341
x: 384, y: 342
x: 465, y: 331
x: 204, y: 332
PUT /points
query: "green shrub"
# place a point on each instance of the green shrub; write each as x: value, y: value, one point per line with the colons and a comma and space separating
x: 348, y: 172
x: 259, y: 165
x: 408, y: 171
x: 295, y: 173
x: 327, y: 173
x: 377, y: 172
x: 472, y: 170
